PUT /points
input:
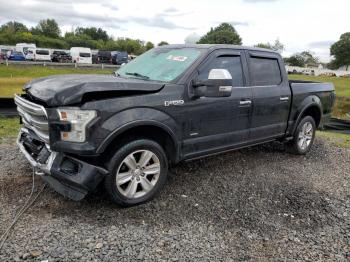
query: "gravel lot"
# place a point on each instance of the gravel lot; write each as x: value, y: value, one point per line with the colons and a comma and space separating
x: 256, y: 203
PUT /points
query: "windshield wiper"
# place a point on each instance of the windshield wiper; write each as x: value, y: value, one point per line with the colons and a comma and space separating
x: 137, y: 75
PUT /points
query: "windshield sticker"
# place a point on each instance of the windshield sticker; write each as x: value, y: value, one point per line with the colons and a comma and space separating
x: 177, y: 58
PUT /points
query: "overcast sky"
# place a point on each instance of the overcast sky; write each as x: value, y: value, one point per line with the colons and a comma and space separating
x: 299, y: 24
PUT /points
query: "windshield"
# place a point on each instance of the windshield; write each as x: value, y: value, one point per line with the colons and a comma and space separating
x: 160, y: 64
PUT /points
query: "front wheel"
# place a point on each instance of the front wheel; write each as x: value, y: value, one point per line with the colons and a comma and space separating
x: 303, y: 137
x: 138, y: 171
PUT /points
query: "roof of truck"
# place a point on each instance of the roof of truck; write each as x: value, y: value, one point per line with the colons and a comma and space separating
x: 217, y: 46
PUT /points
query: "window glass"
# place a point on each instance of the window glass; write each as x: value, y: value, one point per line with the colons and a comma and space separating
x: 161, y: 64
x: 42, y: 52
x: 231, y: 63
x: 84, y: 54
x: 264, y: 71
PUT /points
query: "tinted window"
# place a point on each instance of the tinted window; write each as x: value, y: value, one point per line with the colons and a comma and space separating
x: 42, y: 52
x: 264, y: 71
x: 84, y: 54
x: 231, y: 63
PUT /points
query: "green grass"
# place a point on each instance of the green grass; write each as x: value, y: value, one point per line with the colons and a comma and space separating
x: 12, y: 78
x: 41, y: 71
x: 9, y: 128
x: 342, y: 88
x: 340, y: 140
x: 342, y: 84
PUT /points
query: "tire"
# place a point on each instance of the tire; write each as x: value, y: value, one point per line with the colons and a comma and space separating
x: 303, y: 138
x: 138, y: 180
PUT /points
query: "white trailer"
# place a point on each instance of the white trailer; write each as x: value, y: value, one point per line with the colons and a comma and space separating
x: 81, y: 55
x: 23, y: 47
x: 38, y: 54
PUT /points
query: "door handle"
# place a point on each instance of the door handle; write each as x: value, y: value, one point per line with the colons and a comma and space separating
x: 245, y: 102
x: 284, y: 98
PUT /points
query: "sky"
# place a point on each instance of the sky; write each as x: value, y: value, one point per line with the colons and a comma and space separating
x: 299, y: 24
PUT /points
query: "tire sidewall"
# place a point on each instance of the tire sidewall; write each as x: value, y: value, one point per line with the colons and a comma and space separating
x: 299, y: 128
x: 120, y: 155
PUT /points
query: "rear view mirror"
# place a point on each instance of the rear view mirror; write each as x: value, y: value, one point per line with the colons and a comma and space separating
x: 219, y: 84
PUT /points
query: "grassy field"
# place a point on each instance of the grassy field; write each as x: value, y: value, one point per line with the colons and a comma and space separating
x: 8, y: 129
x: 342, y: 89
x: 340, y: 140
x: 342, y: 85
x: 12, y: 78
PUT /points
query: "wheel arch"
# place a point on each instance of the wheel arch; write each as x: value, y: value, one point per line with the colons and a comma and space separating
x: 149, y: 129
x: 311, y: 106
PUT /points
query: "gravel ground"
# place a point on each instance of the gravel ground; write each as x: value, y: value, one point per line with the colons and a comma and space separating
x: 254, y: 204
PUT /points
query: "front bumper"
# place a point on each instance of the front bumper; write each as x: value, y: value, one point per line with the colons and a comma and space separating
x: 69, y: 176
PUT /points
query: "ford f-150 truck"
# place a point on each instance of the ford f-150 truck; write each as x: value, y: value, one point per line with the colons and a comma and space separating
x: 173, y: 103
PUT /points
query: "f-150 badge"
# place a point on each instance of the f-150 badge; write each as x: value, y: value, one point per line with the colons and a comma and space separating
x: 174, y: 103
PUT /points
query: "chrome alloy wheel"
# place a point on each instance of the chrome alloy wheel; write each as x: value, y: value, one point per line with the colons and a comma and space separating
x: 305, y: 136
x: 138, y: 174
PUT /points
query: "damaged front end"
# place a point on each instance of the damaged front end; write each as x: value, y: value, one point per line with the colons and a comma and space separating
x: 69, y: 176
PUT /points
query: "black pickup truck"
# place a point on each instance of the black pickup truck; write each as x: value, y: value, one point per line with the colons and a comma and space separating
x: 173, y: 103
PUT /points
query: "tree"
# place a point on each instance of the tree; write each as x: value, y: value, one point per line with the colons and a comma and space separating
x: 295, y: 60
x: 223, y: 34
x: 302, y: 59
x: 276, y: 46
x: 341, y: 51
x: 13, y: 27
x: 309, y: 58
x: 93, y: 32
x: 47, y: 27
x: 149, y: 45
x: 163, y: 43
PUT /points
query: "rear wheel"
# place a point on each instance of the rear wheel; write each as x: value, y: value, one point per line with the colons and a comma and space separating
x: 303, y: 137
x: 138, y: 171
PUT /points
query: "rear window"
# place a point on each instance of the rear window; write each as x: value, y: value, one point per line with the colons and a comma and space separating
x: 84, y: 54
x: 264, y: 71
x: 42, y: 52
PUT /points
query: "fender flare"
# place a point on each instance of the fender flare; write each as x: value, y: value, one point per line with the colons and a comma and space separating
x: 310, y: 101
x: 125, y: 120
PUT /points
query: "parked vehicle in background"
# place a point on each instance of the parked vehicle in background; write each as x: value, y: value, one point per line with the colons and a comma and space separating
x: 38, y: 54
x: 30, y: 54
x: 17, y: 56
x: 23, y: 47
x: 171, y: 104
x: 5, y: 53
x: 104, y: 57
x: 61, y: 57
x: 94, y: 58
x: 119, y: 58
x: 81, y: 55
x: 131, y: 57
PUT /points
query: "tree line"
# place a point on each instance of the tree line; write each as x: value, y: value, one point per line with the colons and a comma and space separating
x: 48, y: 34
x: 340, y: 50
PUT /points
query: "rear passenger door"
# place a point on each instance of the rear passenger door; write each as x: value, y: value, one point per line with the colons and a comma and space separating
x: 271, y: 95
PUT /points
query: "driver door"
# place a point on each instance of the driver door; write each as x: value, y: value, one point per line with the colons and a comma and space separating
x: 219, y: 123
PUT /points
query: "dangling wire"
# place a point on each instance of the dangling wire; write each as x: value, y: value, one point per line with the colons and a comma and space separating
x: 27, y: 204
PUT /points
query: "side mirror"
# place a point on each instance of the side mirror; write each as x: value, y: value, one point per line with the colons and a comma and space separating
x: 218, y: 84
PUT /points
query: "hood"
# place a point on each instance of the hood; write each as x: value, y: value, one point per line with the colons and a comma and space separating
x: 64, y: 90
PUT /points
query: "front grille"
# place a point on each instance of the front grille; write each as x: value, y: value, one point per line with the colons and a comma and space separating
x: 34, y: 117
